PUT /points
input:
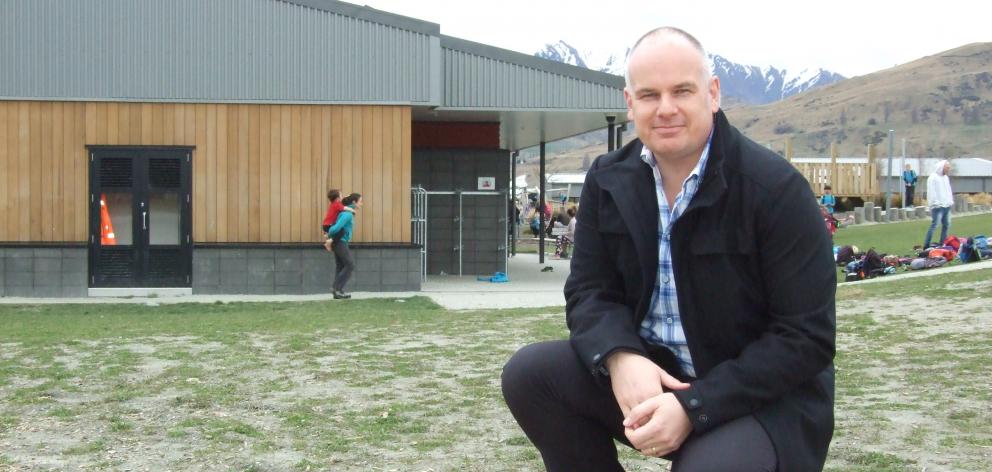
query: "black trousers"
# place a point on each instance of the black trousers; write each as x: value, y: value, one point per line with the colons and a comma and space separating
x: 910, y: 190
x: 344, y: 265
x: 573, y: 421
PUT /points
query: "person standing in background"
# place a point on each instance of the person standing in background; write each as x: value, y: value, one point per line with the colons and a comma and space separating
x: 340, y: 235
x: 940, y: 199
x: 909, y: 179
x: 334, y: 206
x: 828, y: 199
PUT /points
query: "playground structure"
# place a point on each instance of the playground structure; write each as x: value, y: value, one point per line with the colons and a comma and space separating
x: 848, y: 177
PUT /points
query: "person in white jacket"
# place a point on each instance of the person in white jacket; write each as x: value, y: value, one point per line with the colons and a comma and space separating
x: 940, y: 199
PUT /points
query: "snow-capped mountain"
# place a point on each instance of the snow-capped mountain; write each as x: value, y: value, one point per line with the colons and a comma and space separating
x: 746, y: 83
x: 564, y: 52
x: 758, y: 85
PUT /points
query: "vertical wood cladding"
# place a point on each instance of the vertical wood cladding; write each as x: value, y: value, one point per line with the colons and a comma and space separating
x: 260, y: 172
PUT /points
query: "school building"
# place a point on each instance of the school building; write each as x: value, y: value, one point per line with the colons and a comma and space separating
x: 186, y: 146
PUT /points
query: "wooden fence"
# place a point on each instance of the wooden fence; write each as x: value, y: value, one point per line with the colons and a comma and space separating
x: 845, y: 179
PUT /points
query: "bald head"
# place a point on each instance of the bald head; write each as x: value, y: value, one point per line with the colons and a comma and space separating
x: 671, y: 96
x: 670, y: 34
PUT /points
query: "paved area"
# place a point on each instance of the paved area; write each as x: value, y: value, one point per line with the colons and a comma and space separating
x: 528, y: 287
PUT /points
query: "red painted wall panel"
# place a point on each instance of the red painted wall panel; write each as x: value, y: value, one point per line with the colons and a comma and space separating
x: 443, y: 135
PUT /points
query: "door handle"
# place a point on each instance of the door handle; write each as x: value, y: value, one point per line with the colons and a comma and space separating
x: 144, y: 220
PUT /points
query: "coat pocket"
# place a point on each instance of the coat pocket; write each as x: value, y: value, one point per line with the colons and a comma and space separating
x: 721, y: 243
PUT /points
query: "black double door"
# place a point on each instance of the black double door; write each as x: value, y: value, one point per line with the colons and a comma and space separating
x: 140, y: 217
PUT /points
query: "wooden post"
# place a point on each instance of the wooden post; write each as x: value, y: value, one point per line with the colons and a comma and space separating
x: 870, y: 175
x: 788, y: 149
x: 834, y: 180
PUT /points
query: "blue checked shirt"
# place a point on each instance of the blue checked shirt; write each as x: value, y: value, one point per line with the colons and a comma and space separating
x: 663, y: 326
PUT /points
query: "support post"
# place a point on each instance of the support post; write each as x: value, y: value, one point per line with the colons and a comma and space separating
x: 902, y: 168
x: 788, y: 149
x: 872, y: 177
x: 609, y: 133
x: 888, y: 175
x: 620, y: 129
x: 513, y: 201
x: 541, y: 202
x: 834, y: 181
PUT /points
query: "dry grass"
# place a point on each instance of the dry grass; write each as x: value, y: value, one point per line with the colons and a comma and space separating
x: 940, y: 103
x: 980, y: 199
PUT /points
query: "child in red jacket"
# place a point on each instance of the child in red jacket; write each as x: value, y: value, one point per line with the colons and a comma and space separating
x: 334, y: 207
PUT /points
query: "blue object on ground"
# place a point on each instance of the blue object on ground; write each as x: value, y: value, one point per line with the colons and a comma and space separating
x: 497, y: 277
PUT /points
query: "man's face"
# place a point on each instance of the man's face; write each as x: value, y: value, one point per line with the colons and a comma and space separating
x: 670, y: 100
x: 947, y: 168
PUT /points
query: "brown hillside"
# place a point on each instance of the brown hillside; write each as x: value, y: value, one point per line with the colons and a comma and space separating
x: 942, y: 105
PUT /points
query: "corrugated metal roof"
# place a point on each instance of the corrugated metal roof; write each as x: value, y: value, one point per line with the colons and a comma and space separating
x: 486, y: 77
x: 217, y: 50
x: 286, y: 51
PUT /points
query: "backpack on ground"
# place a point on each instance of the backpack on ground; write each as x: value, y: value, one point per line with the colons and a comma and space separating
x: 844, y: 255
x: 933, y: 262
x: 954, y: 242
x: 947, y: 254
x: 872, y: 264
x: 980, y: 242
x: 968, y: 252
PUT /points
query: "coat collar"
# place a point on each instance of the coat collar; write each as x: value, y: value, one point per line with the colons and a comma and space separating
x: 631, y: 184
x: 714, y: 183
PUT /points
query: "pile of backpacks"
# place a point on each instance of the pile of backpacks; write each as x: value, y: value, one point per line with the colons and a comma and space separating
x: 973, y: 249
x: 860, y: 266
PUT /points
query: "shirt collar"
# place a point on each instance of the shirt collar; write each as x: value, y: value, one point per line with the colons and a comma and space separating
x: 648, y: 157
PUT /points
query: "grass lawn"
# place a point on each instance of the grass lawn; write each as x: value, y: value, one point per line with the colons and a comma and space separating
x: 899, y: 238
x: 405, y: 385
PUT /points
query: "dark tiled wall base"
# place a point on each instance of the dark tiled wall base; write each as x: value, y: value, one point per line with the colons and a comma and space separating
x: 302, y: 271
x: 43, y: 272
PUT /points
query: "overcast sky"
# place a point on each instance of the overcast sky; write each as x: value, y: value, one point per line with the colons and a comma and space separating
x: 851, y: 37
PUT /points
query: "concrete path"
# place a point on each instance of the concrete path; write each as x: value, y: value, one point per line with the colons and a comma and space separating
x: 528, y: 287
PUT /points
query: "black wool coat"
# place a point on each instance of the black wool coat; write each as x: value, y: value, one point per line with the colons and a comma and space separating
x: 755, y: 278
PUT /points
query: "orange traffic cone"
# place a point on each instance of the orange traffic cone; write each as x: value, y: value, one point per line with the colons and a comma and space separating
x: 107, y: 237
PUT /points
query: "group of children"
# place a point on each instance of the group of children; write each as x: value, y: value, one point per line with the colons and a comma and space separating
x: 563, y: 220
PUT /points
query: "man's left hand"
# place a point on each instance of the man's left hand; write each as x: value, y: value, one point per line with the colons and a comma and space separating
x: 658, y: 425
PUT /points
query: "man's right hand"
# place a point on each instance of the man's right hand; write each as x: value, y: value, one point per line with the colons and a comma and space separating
x: 635, y: 378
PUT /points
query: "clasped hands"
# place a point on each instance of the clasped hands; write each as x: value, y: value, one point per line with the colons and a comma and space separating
x: 654, y: 421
